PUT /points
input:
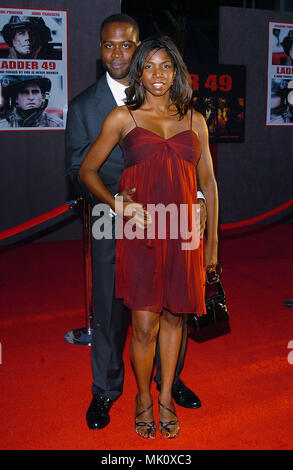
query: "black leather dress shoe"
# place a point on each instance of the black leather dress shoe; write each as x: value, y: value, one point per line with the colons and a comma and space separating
x: 183, y: 396
x: 97, y: 416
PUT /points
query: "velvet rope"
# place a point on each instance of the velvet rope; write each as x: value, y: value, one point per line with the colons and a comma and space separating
x: 68, y: 205
x: 254, y: 220
x: 37, y: 220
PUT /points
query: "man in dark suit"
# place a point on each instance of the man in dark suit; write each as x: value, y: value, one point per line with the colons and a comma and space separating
x: 119, y: 39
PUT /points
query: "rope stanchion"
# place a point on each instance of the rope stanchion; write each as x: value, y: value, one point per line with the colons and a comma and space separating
x: 254, y: 220
x: 38, y: 220
x: 83, y: 336
x: 80, y: 336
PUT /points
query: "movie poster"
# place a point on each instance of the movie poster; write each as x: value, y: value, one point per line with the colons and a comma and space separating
x: 219, y: 94
x: 280, y: 75
x: 33, y: 69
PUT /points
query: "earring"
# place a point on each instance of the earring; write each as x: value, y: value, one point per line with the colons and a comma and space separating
x: 140, y: 83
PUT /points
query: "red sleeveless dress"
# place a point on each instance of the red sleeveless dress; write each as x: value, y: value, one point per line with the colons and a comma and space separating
x: 153, y: 271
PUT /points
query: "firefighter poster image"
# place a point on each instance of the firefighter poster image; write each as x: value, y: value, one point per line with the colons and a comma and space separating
x: 33, y: 69
x: 280, y: 75
x: 219, y: 95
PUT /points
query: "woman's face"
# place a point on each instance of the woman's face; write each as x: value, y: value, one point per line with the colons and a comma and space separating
x: 158, y: 72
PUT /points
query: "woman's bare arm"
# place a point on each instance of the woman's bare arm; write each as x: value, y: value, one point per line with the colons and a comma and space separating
x: 109, y: 136
x: 209, y: 188
x: 97, y: 154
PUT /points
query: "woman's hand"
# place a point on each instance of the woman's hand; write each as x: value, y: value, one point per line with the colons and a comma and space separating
x: 211, y: 258
x: 131, y: 211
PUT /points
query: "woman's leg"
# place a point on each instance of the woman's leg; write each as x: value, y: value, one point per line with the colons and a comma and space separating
x: 170, y: 338
x: 145, y: 328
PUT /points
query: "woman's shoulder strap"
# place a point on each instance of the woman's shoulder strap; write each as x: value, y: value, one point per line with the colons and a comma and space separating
x: 132, y: 116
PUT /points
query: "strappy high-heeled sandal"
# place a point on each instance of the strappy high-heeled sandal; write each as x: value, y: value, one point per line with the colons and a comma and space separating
x: 151, y: 427
x: 165, y: 426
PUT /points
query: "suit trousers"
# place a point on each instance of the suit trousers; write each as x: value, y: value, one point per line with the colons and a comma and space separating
x: 110, y: 321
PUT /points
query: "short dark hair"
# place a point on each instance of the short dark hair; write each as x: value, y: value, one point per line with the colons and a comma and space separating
x: 181, y: 89
x: 120, y: 18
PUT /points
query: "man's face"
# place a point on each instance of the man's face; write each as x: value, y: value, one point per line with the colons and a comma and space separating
x: 29, y: 97
x: 24, y: 41
x: 118, y: 43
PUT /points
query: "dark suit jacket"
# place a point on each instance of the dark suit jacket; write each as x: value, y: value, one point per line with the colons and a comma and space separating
x: 86, y: 114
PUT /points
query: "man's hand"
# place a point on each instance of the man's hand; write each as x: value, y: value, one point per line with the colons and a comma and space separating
x: 203, y: 217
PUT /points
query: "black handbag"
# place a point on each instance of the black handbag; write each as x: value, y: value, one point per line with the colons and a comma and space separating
x: 215, y: 300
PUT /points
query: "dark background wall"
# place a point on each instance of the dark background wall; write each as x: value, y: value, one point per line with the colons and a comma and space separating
x: 257, y: 175
x: 32, y: 177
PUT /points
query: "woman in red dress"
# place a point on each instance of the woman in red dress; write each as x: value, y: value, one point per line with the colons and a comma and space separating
x: 159, y: 274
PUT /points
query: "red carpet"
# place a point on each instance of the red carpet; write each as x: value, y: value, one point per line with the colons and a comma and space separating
x: 243, y: 378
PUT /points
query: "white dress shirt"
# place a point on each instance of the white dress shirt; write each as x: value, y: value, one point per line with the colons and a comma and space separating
x: 118, y: 91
